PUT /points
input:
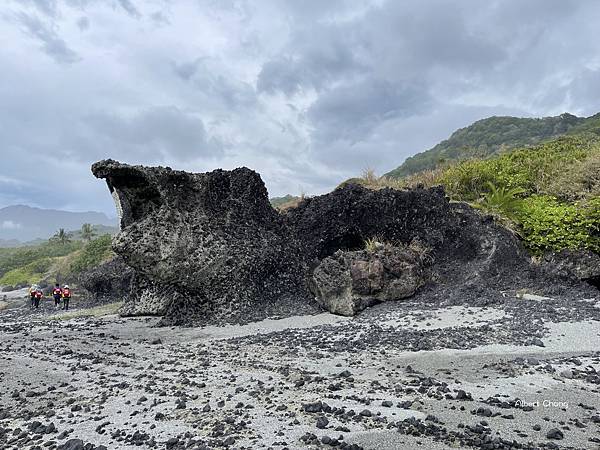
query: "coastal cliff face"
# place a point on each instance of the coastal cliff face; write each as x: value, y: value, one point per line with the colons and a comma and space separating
x: 209, y: 246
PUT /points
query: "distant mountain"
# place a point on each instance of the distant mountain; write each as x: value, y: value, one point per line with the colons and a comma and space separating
x: 24, y: 223
x: 278, y: 201
x: 494, y: 135
x: 10, y: 243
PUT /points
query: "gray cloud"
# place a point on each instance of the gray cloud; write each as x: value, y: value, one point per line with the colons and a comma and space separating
x: 52, y: 44
x: 307, y: 93
x: 186, y: 70
x: 317, y: 57
x: 83, y: 23
x: 584, y: 91
x: 351, y: 112
x: 48, y: 7
x: 160, y: 18
x: 130, y: 8
x: 155, y: 134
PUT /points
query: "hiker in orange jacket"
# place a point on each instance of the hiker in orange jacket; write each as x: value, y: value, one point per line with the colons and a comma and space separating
x: 66, y: 296
x: 38, y: 296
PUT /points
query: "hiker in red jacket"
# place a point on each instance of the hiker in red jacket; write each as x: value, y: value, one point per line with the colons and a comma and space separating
x: 38, y: 296
x: 66, y: 296
x: 57, y: 294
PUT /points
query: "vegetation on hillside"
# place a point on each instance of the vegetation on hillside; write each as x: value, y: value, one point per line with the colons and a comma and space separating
x: 549, y: 194
x: 27, y: 274
x: 286, y: 202
x: 495, y: 135
x: 94, y: 253
x: 87, y: 232
x: 61, y: 236
x: 13, y: 258
x: 53, y: 260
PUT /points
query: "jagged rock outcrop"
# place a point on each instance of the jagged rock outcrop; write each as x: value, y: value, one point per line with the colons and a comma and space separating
x: 205, y: 243
x: 349, y: 281
x: 110, y: 281
x: 209, y: 245
x: 469, y: 248
x: 572, y: 265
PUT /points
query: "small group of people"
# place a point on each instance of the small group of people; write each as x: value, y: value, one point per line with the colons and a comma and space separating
x: 59, y: 294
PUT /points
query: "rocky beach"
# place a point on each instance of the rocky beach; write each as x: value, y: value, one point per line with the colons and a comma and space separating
x: 361, y: 319
x: 299, y: 225
x: 517, y: 373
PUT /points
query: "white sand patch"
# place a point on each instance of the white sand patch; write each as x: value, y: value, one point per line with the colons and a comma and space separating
x: 534, y: 297
x: 18, y: 294
x: 573, y: 337
x: 454, y: 316
x: 271, y: 325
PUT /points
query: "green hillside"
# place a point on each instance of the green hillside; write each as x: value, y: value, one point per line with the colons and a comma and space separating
x: 282, y: 204
x: 52, y: 261
x: 548, y: 194
x: 276, y: 202
x: 495, y: 135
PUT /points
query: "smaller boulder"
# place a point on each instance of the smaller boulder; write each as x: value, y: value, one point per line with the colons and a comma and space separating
x: 349, y: 281
x: 573, y: 264
x: 110, y: 280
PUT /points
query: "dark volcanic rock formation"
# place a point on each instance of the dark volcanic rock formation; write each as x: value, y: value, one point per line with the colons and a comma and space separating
x: 110, y: 281
x: 203, y: 244
x: 573, y: 265
x: 207, y: 246
x: 470, y: 250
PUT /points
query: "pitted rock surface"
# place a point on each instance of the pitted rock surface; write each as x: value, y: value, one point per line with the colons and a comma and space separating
x: 209, y: 244
x: 208, y: 247
x: 350, y: 281
x: 111, y: 280
x: 574, y: 265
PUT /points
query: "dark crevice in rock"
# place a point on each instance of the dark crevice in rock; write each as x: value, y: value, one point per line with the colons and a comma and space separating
x: 595, y: 282
x: 348, y: 241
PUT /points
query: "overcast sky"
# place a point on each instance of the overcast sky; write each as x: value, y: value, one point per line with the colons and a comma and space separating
x: 306, y: 92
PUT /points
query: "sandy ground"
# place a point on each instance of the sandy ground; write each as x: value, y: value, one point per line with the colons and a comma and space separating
x: 320, y: 381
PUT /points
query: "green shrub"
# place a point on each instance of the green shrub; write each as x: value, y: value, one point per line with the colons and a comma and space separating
x: 534, y: 170
x: 14, y: 258
x: 92, y: 254
x: 578, y: 181
x: 373, y: 244
x: 468, y: 180
x: 548, y: 194
x: 549, y: 224
x: 501, y: 200
x: 31, y: 273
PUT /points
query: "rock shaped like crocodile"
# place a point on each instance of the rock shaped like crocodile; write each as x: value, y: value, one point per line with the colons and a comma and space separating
x: 208, y: 246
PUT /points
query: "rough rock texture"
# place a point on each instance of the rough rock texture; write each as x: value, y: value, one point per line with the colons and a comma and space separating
x: 206, y: 243
x: 209, y: 246
x: 350, y: 281
x: 110, y: 281
x: 469, y: 248
x: 573, y: 264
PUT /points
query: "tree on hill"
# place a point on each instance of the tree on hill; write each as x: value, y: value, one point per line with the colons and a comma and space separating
x: 61, y: 236
x: 87, y: 232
